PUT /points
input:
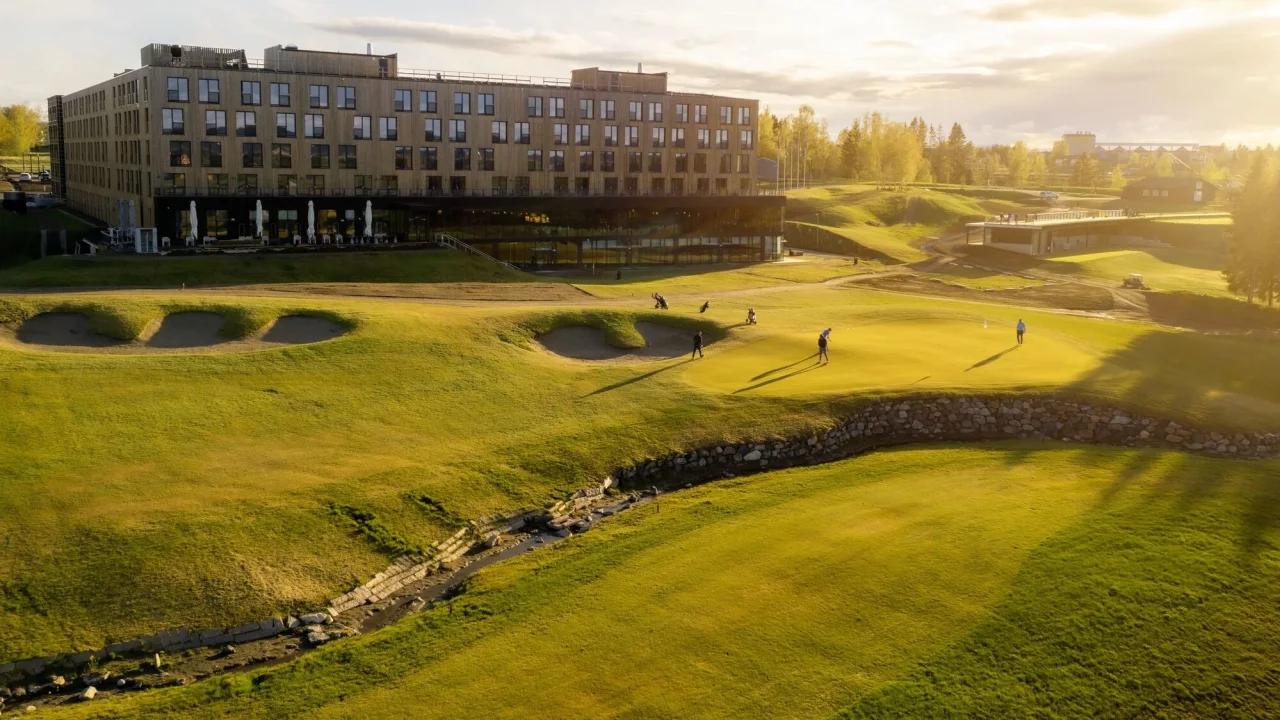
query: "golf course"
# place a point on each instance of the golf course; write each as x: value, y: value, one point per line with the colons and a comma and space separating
x: 194, y: 445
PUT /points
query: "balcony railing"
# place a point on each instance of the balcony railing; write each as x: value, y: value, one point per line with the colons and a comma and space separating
x: 431, y: 193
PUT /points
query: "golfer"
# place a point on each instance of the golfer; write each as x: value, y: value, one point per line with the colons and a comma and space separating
x: 822, y: 348
x: 697, y: 345
x: 1022, y: 330
x: 751, y: 316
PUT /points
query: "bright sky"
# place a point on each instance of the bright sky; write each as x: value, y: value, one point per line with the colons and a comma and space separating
x: 1130, y: 70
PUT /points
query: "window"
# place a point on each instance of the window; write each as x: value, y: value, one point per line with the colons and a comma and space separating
x: 722, y: 186
x: 403, y: 101
x: 180, y: 153
x: 364, y: 184
x: 556, y: 160
x: 178, y: 88
x: 677, y: 137
x: 522, y: 185
x: 498, y: 132
x: 655, y: 162
x: 704, y: 139
x: 635, y: 162
x: 428, y: 158
x: 486, y: 159
x: 388, y: 128
x: 611, y: 136
x: 611, y: 186
x: 457, y: 131
x: 655, y: 112
x: 461, y: 103
x: 500, y: 185
x: 677, y: 186
x: 700, y: 163
x: 280, y: 94
x: 431, y: 130
x: 744, y: 164
x: 726, y: 115
x: 744, y: 186
x: 632, y: 137
x: 211, y: 154
x: 726, y: 163
x: 582, y: 135
x: 175, y: 183
x: 535, y: 160
x: 582, y: 186
x: 744, y: 116
x: 315, y: 185
x: 658, y: 137
x: 522, y: 133
x: 682, y: 162
x: 633, y: 111
x: 435, y: 184
x: 251, y: 155
x: 682, y: 113
x: 746, y: 139
x: 704, y: 186
x: 171, y: 122
x: 722, y: 139
x: 560, y: 185
x: 250, y: 92
x: 586, y: 108
x: 287, y: 185
x: 319, y: 96
x: 462, y: 158
x: 286, y: 125
x: 217, y: 184
x: 427, y: 101
x: 404, y: 156
x: 485, y: 100
x: 319, y: 157
x: 534, y: 105
x: 346, y: 157
x: 246, y: 123
x: 606, y: 161
x: 362, y: 127
x: 458, y: 184
x: 346, y: 98
x: 247, y: 184
x: 209, y: 91
x: 560, y: 133
x: 606, y: 110
x: 632, y: 186
x: 658, y: 186
x: 700, y: 113
x: 313, y: 126
x: 586, y: 161
x: 281, y: 155
x: 557, y: 107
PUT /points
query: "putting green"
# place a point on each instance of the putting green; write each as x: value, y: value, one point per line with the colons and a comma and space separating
x: 930, y: 352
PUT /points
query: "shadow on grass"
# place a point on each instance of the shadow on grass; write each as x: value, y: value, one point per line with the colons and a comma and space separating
x: 767, y: 373
x: 636, y: 379
x: 801, y: 371
x: 993, y: 358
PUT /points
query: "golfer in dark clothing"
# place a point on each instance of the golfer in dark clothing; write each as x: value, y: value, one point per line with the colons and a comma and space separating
x: 1022, y: 330
x: 697, y: 345
x: 822, y: 349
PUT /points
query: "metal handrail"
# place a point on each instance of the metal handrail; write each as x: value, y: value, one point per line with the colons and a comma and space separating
x: 456, y: 244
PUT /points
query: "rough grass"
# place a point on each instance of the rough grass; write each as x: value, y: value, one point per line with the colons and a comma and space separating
x: 1011, y: 581
x: 141, y: 492
x: 1164, y: 269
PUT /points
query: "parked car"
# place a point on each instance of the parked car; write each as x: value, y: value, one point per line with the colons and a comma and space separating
x: 24, y: 177
x: 45, y: 176
x: 1048, y: 195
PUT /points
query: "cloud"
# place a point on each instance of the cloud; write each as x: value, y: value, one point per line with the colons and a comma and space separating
x: 1031, y: 9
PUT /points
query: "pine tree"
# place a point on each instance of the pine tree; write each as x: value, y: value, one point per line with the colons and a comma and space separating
x: 1252, y: 258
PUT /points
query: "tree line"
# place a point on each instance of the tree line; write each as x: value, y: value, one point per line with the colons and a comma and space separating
x: 22, y: 128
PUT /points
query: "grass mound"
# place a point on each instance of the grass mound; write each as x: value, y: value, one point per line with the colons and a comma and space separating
x: 1013, y: 581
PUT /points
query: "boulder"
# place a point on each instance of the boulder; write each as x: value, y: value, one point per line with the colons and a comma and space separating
x: 315, y: 619
x: 316, y: 637
x: 752, y: 456
x: 90, y: 694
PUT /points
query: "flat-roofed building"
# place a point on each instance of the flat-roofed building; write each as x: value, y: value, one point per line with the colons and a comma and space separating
x: 607, y: 158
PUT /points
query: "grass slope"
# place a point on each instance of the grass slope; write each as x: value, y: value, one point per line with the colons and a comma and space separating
x: 1163, y: 269
x: 1004, y: 582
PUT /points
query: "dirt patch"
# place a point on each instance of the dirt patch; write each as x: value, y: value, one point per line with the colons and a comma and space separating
x: 187, y: 330
x: 183, y: 332
x: 301, y: 330
x: 587, y: 343
x: 63, y: 330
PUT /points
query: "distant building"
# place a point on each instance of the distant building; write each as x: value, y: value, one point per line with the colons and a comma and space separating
x: 1173, y: 190
x: 1080, y: 143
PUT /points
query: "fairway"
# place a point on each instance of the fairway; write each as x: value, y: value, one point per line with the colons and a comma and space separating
x: 897, y: 355
x: 1163, y: 269
x: 902, y: 584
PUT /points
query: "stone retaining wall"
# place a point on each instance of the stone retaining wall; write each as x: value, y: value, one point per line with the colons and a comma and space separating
x: 891, y: 422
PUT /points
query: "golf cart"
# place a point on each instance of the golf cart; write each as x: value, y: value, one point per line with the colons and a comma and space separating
x: 1135, y: 282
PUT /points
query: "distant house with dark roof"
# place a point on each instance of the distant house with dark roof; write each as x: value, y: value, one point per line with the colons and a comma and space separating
x: 1173, y: 190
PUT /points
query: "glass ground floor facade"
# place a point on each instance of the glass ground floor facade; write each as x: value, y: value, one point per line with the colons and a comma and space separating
x: 523, y: 230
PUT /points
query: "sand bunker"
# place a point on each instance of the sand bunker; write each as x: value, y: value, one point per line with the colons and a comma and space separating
x: 176, y: 333
x: 587, y: 343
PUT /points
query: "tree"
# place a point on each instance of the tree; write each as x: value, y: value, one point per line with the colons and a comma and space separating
x: 1117, y: 179
x: 1164, y: 166
x: 1019, y: 164
x: 1254, y: 255
x: 960, y: 155
x: 1086, y: 171
x: 768, y: 141
x: 1212, y: 173
x: 1039, y: 170
x: 23, y: 128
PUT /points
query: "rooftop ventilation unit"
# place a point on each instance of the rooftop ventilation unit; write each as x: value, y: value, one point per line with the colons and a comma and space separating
x: 290, y: 47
